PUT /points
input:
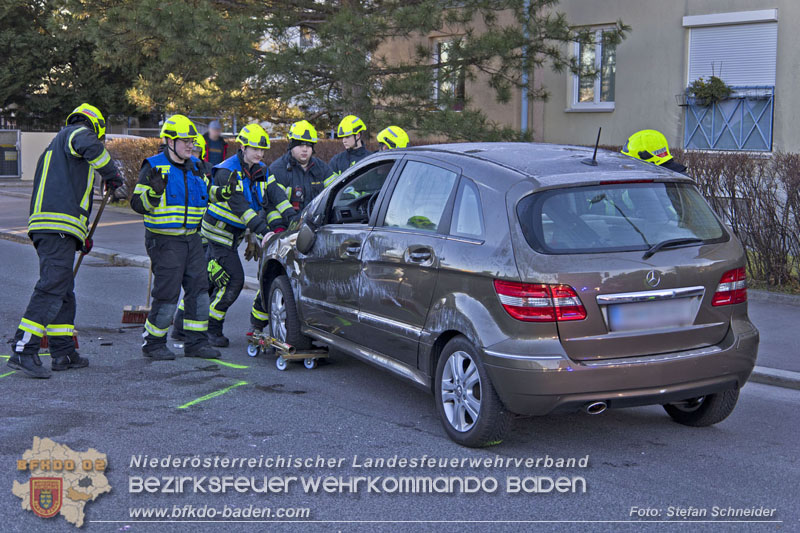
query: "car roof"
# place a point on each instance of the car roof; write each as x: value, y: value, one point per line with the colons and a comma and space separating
x: 552, y: 165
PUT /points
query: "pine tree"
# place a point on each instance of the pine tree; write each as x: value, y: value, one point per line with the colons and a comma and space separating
x: 277, y: 60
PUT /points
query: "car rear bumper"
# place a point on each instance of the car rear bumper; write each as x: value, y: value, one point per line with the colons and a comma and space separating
x: 541, y: 384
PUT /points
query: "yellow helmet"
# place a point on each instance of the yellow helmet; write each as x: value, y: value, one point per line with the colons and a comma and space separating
x: 93, y: 114
x: 303, y: 131
x: 253, y: 135
x: 200, y: 142
x: 350, y: 125
x: 178, y: 127
x: 393, y: 137
x: 648, y: 145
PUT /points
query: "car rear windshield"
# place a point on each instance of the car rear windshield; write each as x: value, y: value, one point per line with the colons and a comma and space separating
x: 616, y: 217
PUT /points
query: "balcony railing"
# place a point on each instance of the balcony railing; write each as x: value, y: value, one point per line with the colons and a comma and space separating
x: 742, y: 122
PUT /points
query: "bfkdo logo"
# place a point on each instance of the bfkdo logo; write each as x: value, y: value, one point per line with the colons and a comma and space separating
x: 62, y: 481
x: 46, y: 495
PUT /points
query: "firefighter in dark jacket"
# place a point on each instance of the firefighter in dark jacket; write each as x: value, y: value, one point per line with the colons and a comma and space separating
x: 173, y: 194
x: 200, y: 153
x: 61, y: 203
x: 298, y: 171
x: 351, y: 131
x: 257, y: 204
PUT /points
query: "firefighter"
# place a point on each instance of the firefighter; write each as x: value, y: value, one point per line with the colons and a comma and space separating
x: 173, y: 194
x: 61, y: 204
x: 298, y: 171
x: 257, y: 204
x: 199, y: 154
x: 392, y: 137
x: 198, y: 157
x: 651, y: 146
x: 351, y: 131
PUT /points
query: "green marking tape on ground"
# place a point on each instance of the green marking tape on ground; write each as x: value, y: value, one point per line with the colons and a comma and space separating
x: 225, y: 363
x: 7, y: 374
x: 212, y: 395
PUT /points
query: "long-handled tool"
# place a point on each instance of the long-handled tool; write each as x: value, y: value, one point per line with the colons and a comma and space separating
x: 106, y: 197
x: 138, y: 314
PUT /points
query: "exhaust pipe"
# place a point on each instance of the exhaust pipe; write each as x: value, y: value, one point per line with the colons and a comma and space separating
x: 595, y: 408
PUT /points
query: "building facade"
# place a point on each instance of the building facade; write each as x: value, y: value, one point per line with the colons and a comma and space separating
x: 643, y: 81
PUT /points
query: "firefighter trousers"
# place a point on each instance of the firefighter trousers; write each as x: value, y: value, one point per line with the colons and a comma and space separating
x: 51, y: 308
x: 177, y: 261
x: 222, y: 298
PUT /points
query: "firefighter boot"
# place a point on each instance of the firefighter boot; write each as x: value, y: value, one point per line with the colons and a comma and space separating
x: 202, y: 350
x: 31, y: 365
x: 215, y: 336
x: 67, y: 361
x: 158, y: 352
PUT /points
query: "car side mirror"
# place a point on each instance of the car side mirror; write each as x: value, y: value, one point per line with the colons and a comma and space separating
x: 305, y: 238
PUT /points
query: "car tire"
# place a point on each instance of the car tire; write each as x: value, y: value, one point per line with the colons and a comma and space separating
x: 704, y: 411
x: 461, y: 381
x: 284, y: 321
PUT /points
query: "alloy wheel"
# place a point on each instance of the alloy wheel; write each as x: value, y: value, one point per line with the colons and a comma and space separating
x: 277, y: 315
x: 461, y: 391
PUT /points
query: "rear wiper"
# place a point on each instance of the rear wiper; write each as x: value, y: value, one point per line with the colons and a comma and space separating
x: 670, y: 242
x: 601, y: 197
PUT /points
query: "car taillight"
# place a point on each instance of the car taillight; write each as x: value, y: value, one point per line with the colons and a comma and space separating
x: 732, y: 288
x: 536, y: 302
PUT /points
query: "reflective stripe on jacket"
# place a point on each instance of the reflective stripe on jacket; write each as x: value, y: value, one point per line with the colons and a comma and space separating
x: 183, y: 203
x: 61, y: 201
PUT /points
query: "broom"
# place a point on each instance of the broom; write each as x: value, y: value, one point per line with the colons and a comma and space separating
x: 138, y: 314
x: 106, y: 196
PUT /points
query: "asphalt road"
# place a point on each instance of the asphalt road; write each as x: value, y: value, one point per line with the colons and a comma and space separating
x: 125, y: 405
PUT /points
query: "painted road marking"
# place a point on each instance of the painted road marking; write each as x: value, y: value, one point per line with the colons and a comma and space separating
x: 225, y: 363
x: 8, y: 356
x: 212, y: 395
x: 7, y: 374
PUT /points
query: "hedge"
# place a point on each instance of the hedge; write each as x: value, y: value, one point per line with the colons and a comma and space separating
x: 757, y: 196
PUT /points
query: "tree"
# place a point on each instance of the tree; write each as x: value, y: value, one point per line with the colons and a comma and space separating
x: 49, y: 69
x: 336, y: 57
x: 277, y: 60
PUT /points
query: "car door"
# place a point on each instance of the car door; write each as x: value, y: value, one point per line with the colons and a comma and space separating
x: 329, y: 283
x: 400, y: 258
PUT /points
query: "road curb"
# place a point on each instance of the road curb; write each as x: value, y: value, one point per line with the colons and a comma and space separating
x: 118, y: 258
x: 774, y: 376
x: 772, y: 297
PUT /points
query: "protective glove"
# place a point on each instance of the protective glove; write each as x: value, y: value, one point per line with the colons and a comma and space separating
x: 252, y: 252
x: 158, y: 181
x: 87, y: 246
x: 114, y: 183
x: 269, y: 235
x: 227, y: 191
x: 217, y: 274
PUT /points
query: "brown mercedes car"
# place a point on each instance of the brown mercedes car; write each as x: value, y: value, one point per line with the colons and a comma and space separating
x: 513, y: 278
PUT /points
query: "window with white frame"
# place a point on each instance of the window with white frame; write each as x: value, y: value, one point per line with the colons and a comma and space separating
x: 449, y: 87
x: 595, y: 92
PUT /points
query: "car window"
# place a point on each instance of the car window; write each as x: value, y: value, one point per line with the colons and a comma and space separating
x: 420, y: 197
x: 467, y: 213
x: 366, y: 183
x: 355, y: 199
x: 616, y: 217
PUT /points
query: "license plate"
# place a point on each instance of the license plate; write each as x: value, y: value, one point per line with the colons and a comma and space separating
x: 652, y: 315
